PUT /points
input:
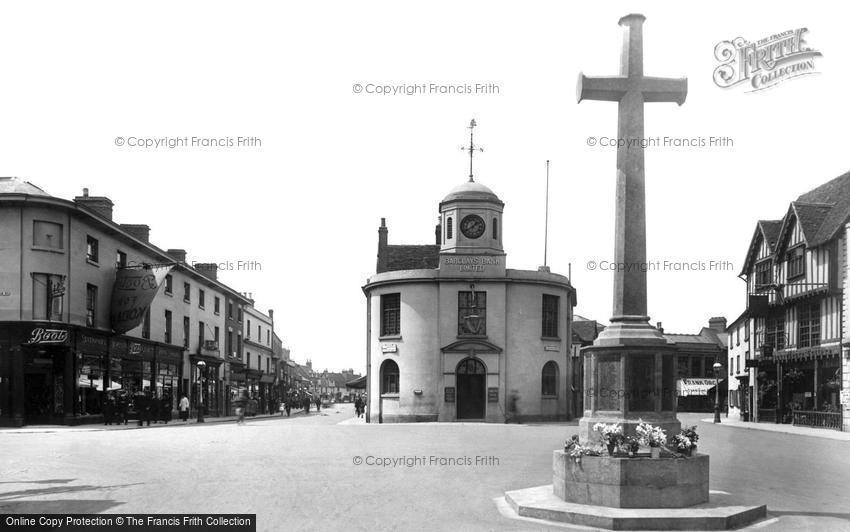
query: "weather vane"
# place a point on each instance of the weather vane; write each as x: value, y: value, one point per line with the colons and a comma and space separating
x: 472, y: 148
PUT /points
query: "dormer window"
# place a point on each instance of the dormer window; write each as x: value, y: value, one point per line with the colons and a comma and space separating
x: 796, y: 259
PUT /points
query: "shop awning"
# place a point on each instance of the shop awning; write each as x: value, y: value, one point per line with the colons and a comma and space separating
x: 97, y: 384
x: 266, y: 379
x: 688, y: 387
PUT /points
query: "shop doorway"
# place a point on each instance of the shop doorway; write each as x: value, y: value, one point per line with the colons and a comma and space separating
x: 471, y: 389
x: 38, y: 397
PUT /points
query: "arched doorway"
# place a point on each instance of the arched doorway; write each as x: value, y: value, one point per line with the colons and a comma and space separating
x: 471, y: 389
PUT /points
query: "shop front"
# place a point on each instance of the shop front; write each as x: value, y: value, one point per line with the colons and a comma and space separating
x: 168, y: 362
x: 695, y: 395
x: 56, y: 374
x: 740, y: 397
x: 93, y: 381
x: 206, y: 384
x: 252, y: 382
x: 808, y: 386
x: 36, y: 373
x: 267, y: 396
x: 237, y: 385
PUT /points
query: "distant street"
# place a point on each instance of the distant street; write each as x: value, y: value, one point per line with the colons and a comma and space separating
x: 319, y: 472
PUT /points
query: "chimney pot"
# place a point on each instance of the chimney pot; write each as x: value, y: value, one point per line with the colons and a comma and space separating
x: 718, y: 323
x: 208, y: 269
x: 101, y: 205
x: 177, y: 254
x: 140, y: 231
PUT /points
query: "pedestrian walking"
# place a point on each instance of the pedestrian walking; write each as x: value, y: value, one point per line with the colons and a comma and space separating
x: 139, y: 405
x: 318, y: 404
x: 108, y: 410
x: 288, y: 407
x: 165, y: 409
x: 184, y: 408
x: 357, y: 406
x: 153, y: 409
x: 123, y: 407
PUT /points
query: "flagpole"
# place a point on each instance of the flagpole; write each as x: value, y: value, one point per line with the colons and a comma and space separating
x: 546, y: 226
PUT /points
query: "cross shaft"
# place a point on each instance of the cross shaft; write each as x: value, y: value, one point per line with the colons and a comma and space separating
x: 631, y: 89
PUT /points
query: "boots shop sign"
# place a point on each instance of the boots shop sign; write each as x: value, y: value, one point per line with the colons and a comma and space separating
x: 41, y: 336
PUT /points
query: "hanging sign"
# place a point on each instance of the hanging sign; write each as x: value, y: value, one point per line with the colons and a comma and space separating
x: 132, y: 295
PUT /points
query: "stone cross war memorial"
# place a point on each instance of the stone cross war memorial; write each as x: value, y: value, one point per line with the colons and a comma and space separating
x: 629, y: 375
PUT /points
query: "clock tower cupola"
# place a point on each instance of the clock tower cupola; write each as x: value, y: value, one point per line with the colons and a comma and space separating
x: 471, y: 215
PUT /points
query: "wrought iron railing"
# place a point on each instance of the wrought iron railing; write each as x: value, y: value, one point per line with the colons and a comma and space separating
x: 811, y: 418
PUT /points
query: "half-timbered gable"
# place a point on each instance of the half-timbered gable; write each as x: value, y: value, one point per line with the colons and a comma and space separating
x: 795, y: 271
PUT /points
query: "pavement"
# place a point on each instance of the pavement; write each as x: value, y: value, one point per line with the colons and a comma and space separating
x: 782, y: 428
x: 327, y: 470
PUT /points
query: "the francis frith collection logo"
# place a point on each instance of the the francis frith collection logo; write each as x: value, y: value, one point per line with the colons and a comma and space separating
x: 766, y: 62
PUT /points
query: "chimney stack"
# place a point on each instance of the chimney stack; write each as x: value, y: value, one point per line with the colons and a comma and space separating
x: 100, y: 205
x: 660, y: 327
x: 382, y: 246
x: 271, y: 314
x: 177, y: 254
x: 718, y: 323
x: 208, y: 269
x: 140, y: 231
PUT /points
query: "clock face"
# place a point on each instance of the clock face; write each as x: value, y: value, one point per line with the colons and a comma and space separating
x: 472, y: 226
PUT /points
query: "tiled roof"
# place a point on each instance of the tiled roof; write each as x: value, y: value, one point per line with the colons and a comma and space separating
x: 770, y: 230
x: 837, y: 193
x: 706, y: 338
x: 586, y: 331
x: 811, y: 217
x: 411, y: 258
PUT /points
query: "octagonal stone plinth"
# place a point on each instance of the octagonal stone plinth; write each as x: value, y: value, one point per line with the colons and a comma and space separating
x: 631, y: 482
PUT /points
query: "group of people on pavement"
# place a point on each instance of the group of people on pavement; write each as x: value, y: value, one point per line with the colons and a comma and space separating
x: 117, y: 408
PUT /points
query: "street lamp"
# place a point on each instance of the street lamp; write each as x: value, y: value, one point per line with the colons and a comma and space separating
x: 201, y: 366
x: 717, y: 367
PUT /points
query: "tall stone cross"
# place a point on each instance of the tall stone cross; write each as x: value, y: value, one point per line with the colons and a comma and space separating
x: 631, y: 89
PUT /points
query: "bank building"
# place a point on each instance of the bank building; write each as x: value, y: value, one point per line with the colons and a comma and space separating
x: 454, y: 335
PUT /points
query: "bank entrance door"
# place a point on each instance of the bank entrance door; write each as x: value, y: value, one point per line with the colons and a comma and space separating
x: 471, y: 389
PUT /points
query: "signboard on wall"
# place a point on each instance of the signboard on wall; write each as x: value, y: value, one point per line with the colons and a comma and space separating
x: 492, y: 395
x: 43, y: 335
x: 450, y: 394
x: 845, y: 397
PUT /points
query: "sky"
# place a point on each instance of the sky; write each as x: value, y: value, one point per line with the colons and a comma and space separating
x: 305, y: 204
